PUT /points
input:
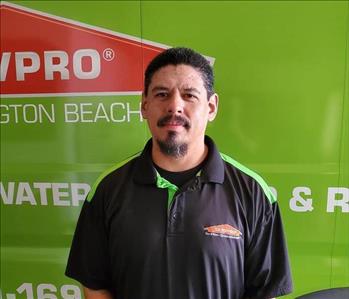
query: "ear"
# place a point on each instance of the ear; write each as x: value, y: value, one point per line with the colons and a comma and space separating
x: 213, y: 107
x: 144, y: 106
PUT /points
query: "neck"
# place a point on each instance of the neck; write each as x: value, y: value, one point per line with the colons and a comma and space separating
x: 195, y: 155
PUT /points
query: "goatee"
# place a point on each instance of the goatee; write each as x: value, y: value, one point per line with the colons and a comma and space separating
x: 170, y: 147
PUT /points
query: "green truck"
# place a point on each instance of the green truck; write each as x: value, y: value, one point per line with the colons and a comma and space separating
x: 71, y: 82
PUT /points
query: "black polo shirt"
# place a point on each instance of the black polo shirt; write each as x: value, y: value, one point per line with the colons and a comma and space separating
x: 218, y: 237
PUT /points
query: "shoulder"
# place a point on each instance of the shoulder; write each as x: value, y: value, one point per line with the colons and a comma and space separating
x: 253, y: 195
x: 111, y: 176
x: 245, y: 176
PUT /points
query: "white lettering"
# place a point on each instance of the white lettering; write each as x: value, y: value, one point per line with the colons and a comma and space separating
x: 43, y: 289
x: 57, y: 194
x: 298, y: 203
x: 50, y: 116
x: 26, y: 288
x: 101, y: 113
x: 5, y: 60
x: 342, y: 202
x: 43, y: 191
x: 85, y: 112
x: 91, y: 112
x: 129, y: 112
x: 21, y: 68
x: 86, y: 64
x: 7, y: 198
x: 24, y: 193
x: 112, y: 112
x: 70, y: 292
x: 51, y: 67
x: 4, y: 117
x: 15, y: 106
x: 27, y: 114
x: 79, y: 192
x: 78, y: 64
x: 71, y: 115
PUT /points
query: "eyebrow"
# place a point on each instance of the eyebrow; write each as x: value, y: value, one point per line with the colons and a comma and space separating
x: 191, y: 89
x: 157, y: 88
x: 161, y: 88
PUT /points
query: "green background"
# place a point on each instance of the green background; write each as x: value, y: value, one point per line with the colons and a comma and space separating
x: 282, y: 75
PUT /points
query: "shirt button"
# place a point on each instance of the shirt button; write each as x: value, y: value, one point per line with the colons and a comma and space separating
x: 175, y: 216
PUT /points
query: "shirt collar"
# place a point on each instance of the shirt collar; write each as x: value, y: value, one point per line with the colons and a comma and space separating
x: 145, y: 171
x: 213, y: 170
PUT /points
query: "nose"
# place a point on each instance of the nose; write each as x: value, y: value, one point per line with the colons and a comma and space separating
x: 175, y: 103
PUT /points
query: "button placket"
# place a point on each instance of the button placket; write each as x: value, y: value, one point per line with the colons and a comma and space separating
x: 175, y: 217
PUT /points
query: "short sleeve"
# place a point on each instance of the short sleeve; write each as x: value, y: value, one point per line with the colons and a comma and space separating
x: 88, y: 260
x: 267, y: 269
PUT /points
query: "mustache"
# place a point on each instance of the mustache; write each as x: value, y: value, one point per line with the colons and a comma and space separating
x: 174, y: 118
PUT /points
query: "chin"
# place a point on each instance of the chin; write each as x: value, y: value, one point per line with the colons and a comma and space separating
x: 172, y: 134
x: 172, y: 146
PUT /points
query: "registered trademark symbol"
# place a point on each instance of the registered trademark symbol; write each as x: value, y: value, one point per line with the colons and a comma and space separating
x: 108, y: 54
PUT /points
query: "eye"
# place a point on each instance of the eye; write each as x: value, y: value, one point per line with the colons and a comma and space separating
x: 161, y: 95
x: 190, y: 97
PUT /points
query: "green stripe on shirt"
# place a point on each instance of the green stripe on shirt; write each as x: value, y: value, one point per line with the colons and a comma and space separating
x: 252, y: 174
x: 105, y: 173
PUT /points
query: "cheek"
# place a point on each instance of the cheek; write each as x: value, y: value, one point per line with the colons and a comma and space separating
x: 200, y: 117
x: 152, y: 122
x: 153, y: 119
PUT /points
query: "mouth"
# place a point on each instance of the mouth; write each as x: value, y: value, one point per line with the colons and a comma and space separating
x: 174, y: 122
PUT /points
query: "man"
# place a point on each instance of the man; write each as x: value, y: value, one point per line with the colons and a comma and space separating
x: 180, y: 220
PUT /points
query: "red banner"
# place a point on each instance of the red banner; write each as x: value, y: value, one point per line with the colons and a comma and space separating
x: 45, y: 54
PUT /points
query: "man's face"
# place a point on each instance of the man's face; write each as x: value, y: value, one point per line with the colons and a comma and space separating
x: 177, y: 108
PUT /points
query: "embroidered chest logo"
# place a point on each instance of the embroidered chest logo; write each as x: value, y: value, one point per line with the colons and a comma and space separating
x: 223, y: 231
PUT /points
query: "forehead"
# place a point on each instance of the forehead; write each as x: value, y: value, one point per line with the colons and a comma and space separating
x: 177, y: 75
